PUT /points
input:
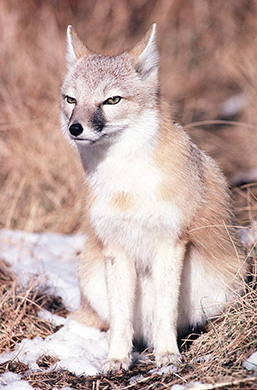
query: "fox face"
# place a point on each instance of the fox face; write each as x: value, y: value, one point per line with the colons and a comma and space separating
x: 102, y: 95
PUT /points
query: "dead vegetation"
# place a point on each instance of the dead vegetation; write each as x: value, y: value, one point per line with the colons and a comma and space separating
x: 208, y: 54
x: 215, y: 356
x: 19, y: 306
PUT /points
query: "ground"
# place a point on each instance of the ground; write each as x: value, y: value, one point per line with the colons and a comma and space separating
x: 42, y: 343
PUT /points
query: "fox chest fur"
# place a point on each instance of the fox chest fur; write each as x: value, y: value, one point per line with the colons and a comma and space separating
x: 127, y: 210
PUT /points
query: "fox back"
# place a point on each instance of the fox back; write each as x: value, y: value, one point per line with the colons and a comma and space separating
x: 162, y: 252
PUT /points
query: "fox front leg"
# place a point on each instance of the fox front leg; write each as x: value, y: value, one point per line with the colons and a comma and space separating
x: 120, y: 277
x: 167, y: 269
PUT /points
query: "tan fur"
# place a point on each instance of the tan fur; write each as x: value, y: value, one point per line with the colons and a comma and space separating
x: 88, y: 316
x: 122, y: 201
x: 194, y: 182
x: 172, y: 156
x: 90, y: 196
x: 92, y: 253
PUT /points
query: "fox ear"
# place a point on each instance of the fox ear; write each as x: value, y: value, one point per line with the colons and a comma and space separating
x: 75, y: 47
x: 146, y: 54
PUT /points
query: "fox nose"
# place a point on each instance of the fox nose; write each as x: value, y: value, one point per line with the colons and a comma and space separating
x: 76, y: 129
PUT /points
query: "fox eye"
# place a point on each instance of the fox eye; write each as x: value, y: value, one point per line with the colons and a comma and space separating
x: 70, y: 100
x: 113, y: 100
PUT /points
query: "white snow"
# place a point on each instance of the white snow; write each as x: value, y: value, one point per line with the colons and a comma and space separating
x: 191, y: 385
x: 251, y: 362
x: 79, y: 349
x: 203, y: 358
x: 52, y: 318
x: 233, y: 105
x: 164, y: 370
x: 63, y: 388
x: 247, y: 176
x: 249, y: 235
x: 51, y: 255
x: 136, y: 378
x: 11, y: 381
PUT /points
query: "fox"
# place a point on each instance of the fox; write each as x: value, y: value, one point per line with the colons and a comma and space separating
x: 162, y: 254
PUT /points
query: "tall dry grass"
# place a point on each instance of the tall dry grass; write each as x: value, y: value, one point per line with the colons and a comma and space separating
x: 208, y: 53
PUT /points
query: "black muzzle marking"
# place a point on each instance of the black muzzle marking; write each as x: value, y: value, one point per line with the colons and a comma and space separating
x: 98, y: 120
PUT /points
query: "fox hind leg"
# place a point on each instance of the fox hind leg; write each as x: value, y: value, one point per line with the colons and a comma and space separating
x: 204, y: 291
x: 93, y: 309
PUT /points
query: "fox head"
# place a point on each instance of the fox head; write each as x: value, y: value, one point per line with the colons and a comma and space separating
x: 102, y: 96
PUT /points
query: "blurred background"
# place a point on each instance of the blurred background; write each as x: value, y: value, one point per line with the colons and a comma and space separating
x: 208, y: 75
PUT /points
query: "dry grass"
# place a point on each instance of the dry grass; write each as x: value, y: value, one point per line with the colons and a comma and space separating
x: 208, y: 53
x: 19, y: 306
x: 226, y: 342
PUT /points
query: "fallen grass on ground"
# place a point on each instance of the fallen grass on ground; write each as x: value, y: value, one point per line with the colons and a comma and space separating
x: 19, y: 305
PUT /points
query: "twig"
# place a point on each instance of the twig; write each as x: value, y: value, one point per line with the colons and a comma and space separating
x: 140, y: 381
x: 234, y: 382
x: 220, y: 122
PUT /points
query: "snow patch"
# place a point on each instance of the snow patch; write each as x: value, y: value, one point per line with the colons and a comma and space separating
x: 80, y: 349
x: 135, y: 379
x: 249, y: 235
x: 203, y: 358
x: 251, y: 363
x: 63, y: 388
x: 54, y: 319
x: 11, y: 381
x: 191, y: 385
x: 164, y: 370
x: 233, y: 105
x: 51, y: 255
x: 242, y: 177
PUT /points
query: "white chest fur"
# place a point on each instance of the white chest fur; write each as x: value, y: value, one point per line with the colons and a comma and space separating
x: 138, y: 224
x: 127, y: 171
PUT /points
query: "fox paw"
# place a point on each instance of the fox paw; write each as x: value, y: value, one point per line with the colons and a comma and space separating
x: 115, y: 366
x: 164, y: 359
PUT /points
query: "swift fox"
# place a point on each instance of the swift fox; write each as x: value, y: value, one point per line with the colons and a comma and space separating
x: 161, y: 250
